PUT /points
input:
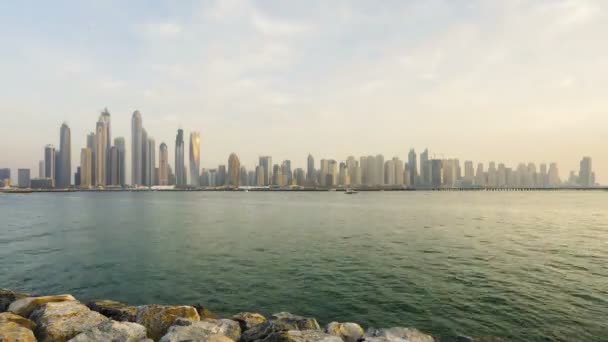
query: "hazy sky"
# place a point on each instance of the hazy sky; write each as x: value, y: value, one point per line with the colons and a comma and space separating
x: 501, y: 80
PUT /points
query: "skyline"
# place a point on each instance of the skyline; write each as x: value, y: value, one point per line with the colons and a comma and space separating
x: 511, y: 82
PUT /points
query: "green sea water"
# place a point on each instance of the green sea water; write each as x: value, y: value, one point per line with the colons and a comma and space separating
x: 529, y: 266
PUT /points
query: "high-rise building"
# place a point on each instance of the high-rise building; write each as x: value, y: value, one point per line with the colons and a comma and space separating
x: 92, y: 144
x: 585, y: 174
x: 259, y: 175
x: 469, y: 172
x: 436, y: 172
x: 23, y: 178
x: 244, y: 180
x: 411, y: 161
x: 266, y: 163
x: 195, y: 158
x: 5, y: 177
x: 399, y: 171
x: 221, y: 175
x: 553, y: 175
x: 65, y: 157
x: 379, y: 170
x: 234, y: 169
x: 120, y: 166
x: 101, y: 158
x: 113, y: 161
x: 310, y: 170
x: 389, y: 172
x: 180, y: 168
x: 41, y: 169
x: 480, y: 176
x: 136, y: 149
x: 105, y: 118
x: 86, y: 168
x: 425, y: 168
x: 144, y: 157
x: 492, y: 177
x: 49, y: 163
x: 286, y: 171
x: 150, y: 162
x: 163, y: 165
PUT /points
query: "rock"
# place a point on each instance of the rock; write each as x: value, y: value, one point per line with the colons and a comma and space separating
x: 113, y: 331
x: 349, y: 332
x: 158, y: 318
x: 188, y: 330
x: 301, y: 336
x: 248, y: 320
x: 203, y: 312
x: 25, y: 306
x: 15, y: 328
x: 114, y: 310
x: 279, y: 322
x: 397, y: 334
x: 61, y: 321
x: 8, y: 296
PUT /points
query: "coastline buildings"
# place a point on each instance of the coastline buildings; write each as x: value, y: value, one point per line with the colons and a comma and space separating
x: 195, y: 158
x: 180, y: 171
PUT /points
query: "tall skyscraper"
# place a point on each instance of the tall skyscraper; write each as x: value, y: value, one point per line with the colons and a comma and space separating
x: 425, y: 168
x: 136, y: 149
x: 411, y: 161
x: 221, y: 175
x: 65, y: 157
x: 195, y: 158
x: 585, y: 174
x: 121, y: 166
x: 399, y: 171
x: 469, y: 172
x: 101, y: 157
x: 41, y: 169
x: 180, y: 168
x: 234, y: 169
x: 49, y: 163
x: 266, y: 163
x: 92, y: 144
x: 163, y: 165
x: 106, y: 119
x: 310, y: 170
x: 144, y: 157
x: 379, y: 170
x: 86, y: 168
x: 150, y: 158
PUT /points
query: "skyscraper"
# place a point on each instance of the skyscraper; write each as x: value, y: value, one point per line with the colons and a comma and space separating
x: 425, y: 168
x: 23, y: 178
x: 163, y: 165
x: 65, y: 157
x: 399, y: 171
x: 86, y: 168
x: 41, y: 169
x: 195, y: 158
x: 585, y: 174
x: 49, y: 163
x: 180, y: 168
x: 121, y: 166
x: 92, y: 143
x: 234, y: 169
x: 150, y: 162
x: 266, y: 163
x: 411, y: 161
x: 105, y: 118
x: 310, y: 170
x: 136, y: 149
x: 144, y: 157
x: 101, y: 157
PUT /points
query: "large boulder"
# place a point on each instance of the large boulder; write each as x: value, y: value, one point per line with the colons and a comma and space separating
x: 203, y: 312
x: 15, y: 328
x: 61, y: 321
x: 158, y: 318
x: 278, y: 323
x: 396, y: 334
x: 348, y: 332
x: 113, y: 331
x: 301, y: 336
x: 8, y: 296
x: 188, y: 330
x: 115, y: 310
x: 248, y: 320
x: 25, y: 306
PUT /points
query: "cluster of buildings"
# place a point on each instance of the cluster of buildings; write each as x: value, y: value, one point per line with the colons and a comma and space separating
x: 102, y: 164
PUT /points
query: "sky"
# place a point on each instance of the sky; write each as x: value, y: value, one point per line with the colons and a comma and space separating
x: 506, y: 81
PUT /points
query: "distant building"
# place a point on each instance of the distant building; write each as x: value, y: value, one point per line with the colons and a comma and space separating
x: 310, y: 169
x: 65, y: 157
x: 136, y: 149
x: 585, y: 174
x: 5, y: 174
x: 163, y: 165
x: 425, y: 168
x: 86, y: 168
x: 266, y: 163
x: 49, y: 163
x: 120, y: 166
x: 221, y: 176
x: 23, y: 180
x: 180, y: 168
x: 101, y: 152
x: 41, y: 169
x: 41, y: 183
x: 411, y: 161
x: 234, y: 169
x: 195, y: 158
x: 436, y: 172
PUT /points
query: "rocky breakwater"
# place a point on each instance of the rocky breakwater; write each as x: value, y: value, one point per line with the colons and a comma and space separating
x: 25, y: 318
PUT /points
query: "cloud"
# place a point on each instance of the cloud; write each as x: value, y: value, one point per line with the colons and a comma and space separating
x: 163, y: 29
x: 276, y: 27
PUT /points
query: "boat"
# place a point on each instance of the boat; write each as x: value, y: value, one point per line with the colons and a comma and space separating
x: 350, y: 192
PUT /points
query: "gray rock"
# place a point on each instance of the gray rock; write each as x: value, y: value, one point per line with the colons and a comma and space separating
x: 8, y: 296
x: 301, y: 336
x: 348, y: 332
x: 61, y: 321
x: 248, y: 320
x: 15, y: 328
x: 114, y: 310
x: 397, y: 334
x: 113, y: 331
x: 158, y: 318
x: 187, y: 330
x: 25, y: 306
x: 279, y: 322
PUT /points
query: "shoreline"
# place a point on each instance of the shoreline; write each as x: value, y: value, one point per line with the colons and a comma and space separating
x: 59, y: 318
